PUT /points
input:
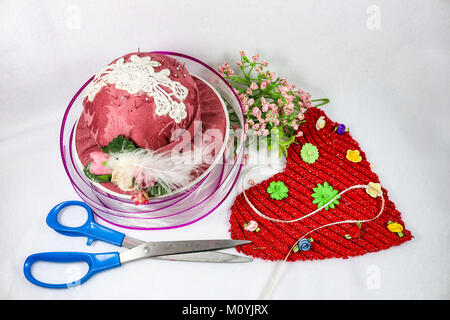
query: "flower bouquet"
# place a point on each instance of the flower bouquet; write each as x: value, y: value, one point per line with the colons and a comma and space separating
x: 273, y: 107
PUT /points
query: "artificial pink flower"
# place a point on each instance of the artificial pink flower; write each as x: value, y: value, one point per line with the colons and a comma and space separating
x: 264, y: 63
x: 254, y: 86
x: 256, y: 112
x: 272, y: 75
x: 255, y: 57
x: 262, y: 124
x: 97, y: 167
x: 225, y: 69
x: 288, y: 109
x: 264, y: 84
x: 242, y: 53
x: 288, y: 98
x: 263, y: 101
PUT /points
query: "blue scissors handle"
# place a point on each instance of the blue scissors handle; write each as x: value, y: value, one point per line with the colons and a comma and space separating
x: 90, y: 229
x: 96, y: 261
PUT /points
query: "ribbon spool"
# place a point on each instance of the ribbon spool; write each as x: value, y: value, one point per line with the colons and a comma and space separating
x: 174, y: 210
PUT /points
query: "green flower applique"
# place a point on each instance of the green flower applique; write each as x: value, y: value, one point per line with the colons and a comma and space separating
x: 309, y: 153
x: 277, y: 190
x: 323, y: 194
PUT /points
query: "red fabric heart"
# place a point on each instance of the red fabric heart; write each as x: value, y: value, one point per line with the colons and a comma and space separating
x: 274, y: 240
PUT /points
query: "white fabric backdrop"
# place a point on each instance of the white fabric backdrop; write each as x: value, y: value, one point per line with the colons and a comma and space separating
x: 383, y: 64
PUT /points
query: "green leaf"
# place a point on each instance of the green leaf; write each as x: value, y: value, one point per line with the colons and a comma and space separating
x: 157, y: 190
x: 119, y: 144
x: 324, y: 101
x: 95, y: 177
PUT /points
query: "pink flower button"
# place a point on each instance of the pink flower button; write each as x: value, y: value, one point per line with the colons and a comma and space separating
x: 251, y: 226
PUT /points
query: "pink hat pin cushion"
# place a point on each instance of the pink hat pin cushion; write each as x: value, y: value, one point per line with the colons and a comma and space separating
x: 149, y: 128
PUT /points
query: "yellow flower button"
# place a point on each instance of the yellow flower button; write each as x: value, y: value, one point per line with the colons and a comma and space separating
x: 374, y: 189
x: 395, y: 228
x: 353, y: 156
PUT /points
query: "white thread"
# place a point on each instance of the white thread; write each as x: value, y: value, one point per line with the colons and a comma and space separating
x: 280, y: 268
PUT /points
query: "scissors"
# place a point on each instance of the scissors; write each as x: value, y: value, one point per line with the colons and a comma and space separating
x: 188, y: 250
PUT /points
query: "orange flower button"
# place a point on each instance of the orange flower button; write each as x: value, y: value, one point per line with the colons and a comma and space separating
x: 353, y: 156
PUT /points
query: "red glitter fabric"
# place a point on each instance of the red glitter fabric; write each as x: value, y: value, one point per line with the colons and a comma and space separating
x: 274, y: 240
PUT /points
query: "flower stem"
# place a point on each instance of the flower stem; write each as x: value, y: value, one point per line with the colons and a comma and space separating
x: 325, y: 101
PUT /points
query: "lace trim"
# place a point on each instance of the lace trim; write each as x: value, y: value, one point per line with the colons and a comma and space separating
x: 138, y: 75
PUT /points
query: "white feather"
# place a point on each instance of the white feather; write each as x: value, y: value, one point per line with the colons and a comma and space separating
x: 171, y: 170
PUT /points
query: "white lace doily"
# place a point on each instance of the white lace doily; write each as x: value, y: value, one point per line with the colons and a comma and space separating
x: 138, y: 75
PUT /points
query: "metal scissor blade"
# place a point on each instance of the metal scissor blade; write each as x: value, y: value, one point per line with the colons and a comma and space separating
x: 205, y: 256
x: 153, y: 249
